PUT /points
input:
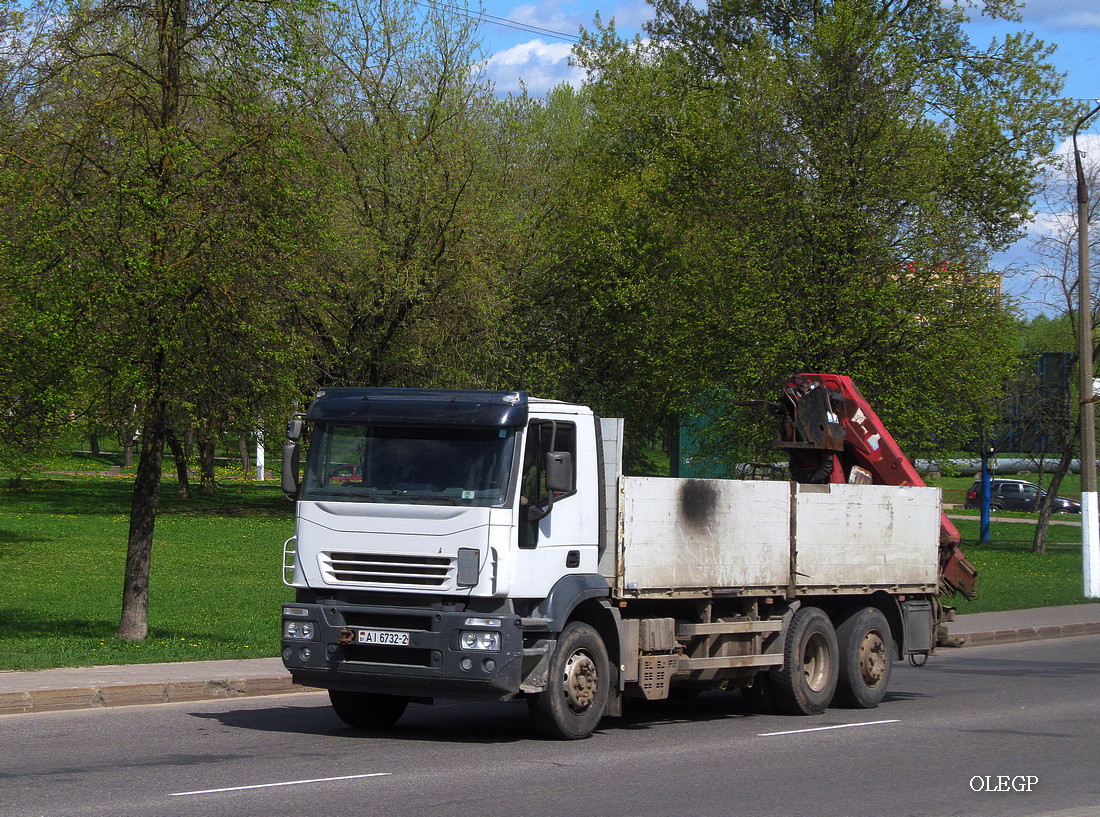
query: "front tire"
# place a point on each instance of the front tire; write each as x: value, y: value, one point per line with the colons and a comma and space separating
x: 805, y: 683
x: 367, y: 710
x: 866, y: 659
x: 577, y: 688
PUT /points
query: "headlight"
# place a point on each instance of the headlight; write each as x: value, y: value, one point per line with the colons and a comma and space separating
x: 486, y: 641
x: 298, y: 630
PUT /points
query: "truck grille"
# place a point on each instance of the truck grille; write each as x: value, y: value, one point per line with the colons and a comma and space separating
x: 388, y: 570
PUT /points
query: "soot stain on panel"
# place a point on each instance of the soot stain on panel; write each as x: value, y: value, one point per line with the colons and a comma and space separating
x: 698, y: 503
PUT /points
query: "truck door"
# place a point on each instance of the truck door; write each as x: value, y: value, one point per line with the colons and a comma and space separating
x: 548, y: 480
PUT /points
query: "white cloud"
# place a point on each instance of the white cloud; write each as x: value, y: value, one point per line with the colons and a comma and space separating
x: 1063, y: 14
x: 537, y: 64
x: 1088, y: 144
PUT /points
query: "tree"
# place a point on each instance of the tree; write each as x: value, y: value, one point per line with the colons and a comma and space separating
x: 163, y: 131
x: 1057, y: 276
x: 797, y: 188
x: 421, y: 257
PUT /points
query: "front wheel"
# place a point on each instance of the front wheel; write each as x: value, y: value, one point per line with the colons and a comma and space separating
x: 367, y: 710
x: 866, y: 659
x: 577, y: 688
x: 805, y: 683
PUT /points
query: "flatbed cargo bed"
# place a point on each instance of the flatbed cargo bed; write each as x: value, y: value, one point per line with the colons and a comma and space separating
x: 700, y: 538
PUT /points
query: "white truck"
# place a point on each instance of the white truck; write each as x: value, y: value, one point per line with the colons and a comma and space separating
x: 484, y: 545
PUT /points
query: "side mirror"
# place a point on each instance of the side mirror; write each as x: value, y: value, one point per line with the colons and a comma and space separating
x: 559, y: 472
x: 292, y: 454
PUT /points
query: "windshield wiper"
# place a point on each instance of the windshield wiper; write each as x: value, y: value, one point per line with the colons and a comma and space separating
x: 422, y: 497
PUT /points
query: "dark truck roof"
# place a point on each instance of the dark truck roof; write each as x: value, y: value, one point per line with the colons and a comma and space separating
x: 439, y: 407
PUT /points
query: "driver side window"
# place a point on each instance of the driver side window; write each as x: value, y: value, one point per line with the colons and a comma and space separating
x: 543, y: 439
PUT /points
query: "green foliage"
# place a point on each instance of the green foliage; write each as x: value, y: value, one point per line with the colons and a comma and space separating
x: 424, y: 175
x: 1043, y: 333
x: 761, y: 191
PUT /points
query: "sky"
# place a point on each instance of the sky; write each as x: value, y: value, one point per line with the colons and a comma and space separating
x: 529, y: 45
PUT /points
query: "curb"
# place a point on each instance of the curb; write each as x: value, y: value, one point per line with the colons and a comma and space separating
x: 113, y: 695
x: 1009, y: 636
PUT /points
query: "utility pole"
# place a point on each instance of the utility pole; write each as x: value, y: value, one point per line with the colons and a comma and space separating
x: 1090, y: 518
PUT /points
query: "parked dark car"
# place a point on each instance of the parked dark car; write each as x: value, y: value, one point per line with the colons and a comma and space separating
x: 1017, y: 495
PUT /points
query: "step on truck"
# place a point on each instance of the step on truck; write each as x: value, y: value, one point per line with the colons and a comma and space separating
x: 485, y: 545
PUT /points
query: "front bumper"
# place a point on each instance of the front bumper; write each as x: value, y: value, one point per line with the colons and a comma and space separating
x: 432, y: 665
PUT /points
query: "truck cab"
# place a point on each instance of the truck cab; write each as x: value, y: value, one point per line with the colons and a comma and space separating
x: 438, y: 534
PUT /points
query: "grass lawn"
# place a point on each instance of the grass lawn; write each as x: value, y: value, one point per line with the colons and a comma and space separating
x: 1011, y: 577
x: 215, y: 587
x: 216, y: 581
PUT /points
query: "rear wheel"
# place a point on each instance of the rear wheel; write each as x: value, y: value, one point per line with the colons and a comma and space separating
x: 367, y: 710
x: 805, y: 683
x: 577, y: 688
x: 866, y: 659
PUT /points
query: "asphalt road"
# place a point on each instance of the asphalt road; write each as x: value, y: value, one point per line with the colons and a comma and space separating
x: 1010, y: 730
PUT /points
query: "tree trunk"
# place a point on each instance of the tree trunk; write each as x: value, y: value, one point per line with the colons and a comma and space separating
x: 94, y: 440
x: 128, y: 449
x: 1046, y: 506
x: 180, y: 457
x: 207, y: 450
x: 134, y: 625
x: 242, y: 447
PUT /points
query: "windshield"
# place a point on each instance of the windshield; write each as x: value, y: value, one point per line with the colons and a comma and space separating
x: 450, y: 466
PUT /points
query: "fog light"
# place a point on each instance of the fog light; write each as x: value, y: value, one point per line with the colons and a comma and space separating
x: 466, y: 663
x: 288, y: 653
x: 489, y: 664
x: 305, y: 653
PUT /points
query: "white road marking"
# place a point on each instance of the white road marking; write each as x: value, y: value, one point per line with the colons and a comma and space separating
x: 823, y: 728
x: 285, y: 783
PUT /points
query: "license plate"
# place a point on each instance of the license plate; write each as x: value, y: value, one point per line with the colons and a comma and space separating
x: 393, y: 638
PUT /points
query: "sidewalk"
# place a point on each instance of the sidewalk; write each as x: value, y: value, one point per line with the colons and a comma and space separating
x: 92, y: 687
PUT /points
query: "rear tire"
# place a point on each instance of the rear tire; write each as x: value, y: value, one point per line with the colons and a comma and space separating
x: 577, y: 688
x: 367, y: 710
x: 866, y: 659
x: 805, y: 683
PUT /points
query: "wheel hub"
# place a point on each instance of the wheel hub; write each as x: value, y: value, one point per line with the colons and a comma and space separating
x: 872, y: 658
x: 815, y: 662
x: 581, y: 681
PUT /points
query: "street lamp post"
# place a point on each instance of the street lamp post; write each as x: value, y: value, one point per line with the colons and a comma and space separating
x: 1090, y: 519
